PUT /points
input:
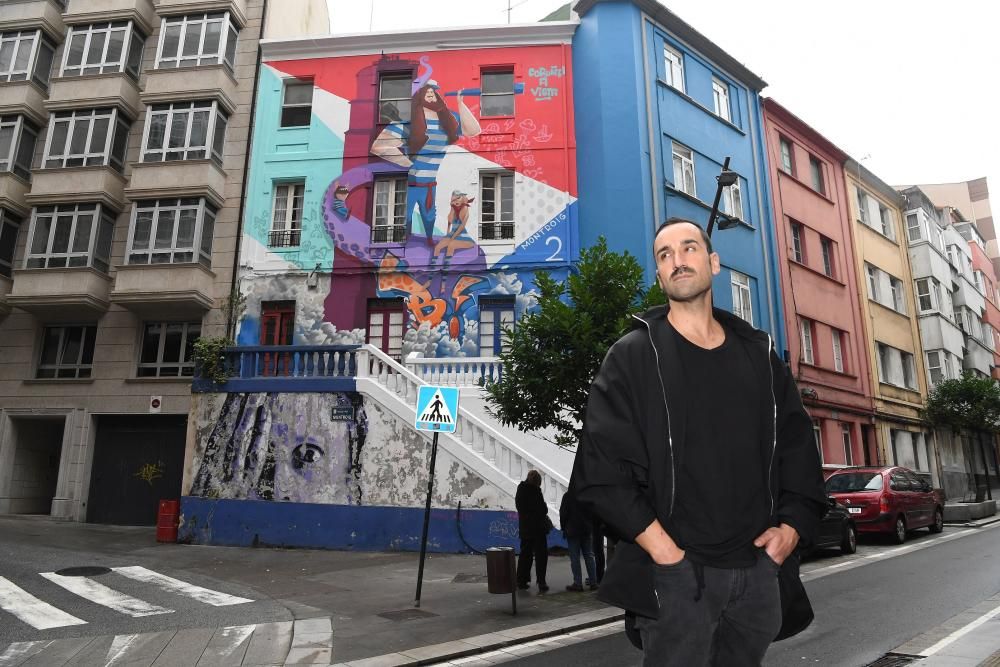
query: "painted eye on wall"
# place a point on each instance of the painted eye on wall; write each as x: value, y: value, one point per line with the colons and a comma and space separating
x: 306, y: 454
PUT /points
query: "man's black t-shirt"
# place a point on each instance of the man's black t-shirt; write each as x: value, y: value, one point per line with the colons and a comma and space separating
x: 722, y: 502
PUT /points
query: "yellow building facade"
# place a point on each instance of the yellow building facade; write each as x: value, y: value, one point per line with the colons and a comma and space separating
x: 899, y: 377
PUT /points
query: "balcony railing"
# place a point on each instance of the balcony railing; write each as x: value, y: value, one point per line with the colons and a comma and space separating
x: 257, y: 367
x: 284, y: 238
x: 457, y: 371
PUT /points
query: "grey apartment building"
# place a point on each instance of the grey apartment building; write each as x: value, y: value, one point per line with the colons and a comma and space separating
x: 124, y: 132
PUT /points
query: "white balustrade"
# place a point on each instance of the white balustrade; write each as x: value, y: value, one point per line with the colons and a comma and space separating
x: 457, y: 371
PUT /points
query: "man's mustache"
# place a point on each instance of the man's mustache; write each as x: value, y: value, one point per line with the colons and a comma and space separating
x: 681, y: 269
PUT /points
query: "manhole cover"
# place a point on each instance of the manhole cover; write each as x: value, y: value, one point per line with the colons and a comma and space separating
x: 894, y: 660
x: 87, y: 571
x: 406, y: 614
x: 469, y: 579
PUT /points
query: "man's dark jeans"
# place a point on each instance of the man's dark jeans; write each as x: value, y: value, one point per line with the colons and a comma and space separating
x: 537, y: 549
x: 731, y: 624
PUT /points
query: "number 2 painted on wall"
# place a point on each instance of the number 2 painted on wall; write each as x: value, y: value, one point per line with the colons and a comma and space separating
x: 554, y: 257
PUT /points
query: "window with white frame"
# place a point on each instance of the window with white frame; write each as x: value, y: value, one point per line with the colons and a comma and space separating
x: 103, y: 48
x: 806, y: 336
x: 10, y: 225
x: 980, y: 281
x: 742, y: 302
x: 914, y: 230
x: 497, y: 98
x: 845, y: 430
x: 838, y: 349
x: 496, y: 313
x: 888, y: 228
x: 17, y: 145
x: 732, y: 200
x: 197, y: 39
x: 24, y: 55
x: 898, y: 295
x: 787, y: 162
x: 296, y: 104
x: 873, y: 283
x: 184, y: 131
x: 496, y: 206
x: 394, y: 97
x: 828, y: 264
x: 684, y: 169
x: 720, y: 98
x: 673, y: 64
x: 862, y: 200
x: 818, y: 436
x: 909, y: 370
x: 935, y: 366
x: 167, y: 349
x: 70, y: 235
x: 171, y: 231
x: 87, y: 138
x: 286, y: 218
x: 798, y: 247
x: 816, y: 173
x: 389, y: 214
x: 884, y: 362
x: 926, y: 293
x: 67, y: 352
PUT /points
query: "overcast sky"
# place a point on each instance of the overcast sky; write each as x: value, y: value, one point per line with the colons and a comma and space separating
x: 908, y: 87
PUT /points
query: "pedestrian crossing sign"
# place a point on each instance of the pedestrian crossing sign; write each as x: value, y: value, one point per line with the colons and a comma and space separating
x: 437, y: 409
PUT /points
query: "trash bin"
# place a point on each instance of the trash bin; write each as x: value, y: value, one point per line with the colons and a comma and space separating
x: 500, y: 569
x: 166, y: 520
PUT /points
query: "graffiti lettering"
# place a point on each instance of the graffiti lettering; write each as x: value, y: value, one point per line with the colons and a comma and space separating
x: 543, y: 92
x: 504, y: 528
x: 151, y: 472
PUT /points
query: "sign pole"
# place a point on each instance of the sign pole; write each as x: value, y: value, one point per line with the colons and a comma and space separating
x: 427, y: 519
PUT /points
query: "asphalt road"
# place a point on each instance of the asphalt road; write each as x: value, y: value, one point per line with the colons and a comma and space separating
x: 862, y: 612
x: 30, y: 549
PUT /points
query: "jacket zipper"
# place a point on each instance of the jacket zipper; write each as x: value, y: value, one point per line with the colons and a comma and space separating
x: 670, y: 437
x: 774, y: 427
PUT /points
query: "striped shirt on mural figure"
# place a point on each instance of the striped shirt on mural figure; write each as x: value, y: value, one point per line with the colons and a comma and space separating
x: 420, y: 146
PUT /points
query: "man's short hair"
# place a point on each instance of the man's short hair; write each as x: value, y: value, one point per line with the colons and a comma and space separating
x: 705, y: 238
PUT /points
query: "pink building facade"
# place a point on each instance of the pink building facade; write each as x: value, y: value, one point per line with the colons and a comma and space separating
x: 986, y: 279
x: 826, y: 337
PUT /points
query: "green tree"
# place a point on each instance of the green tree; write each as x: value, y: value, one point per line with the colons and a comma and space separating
x: 972, y: 402
x: 555, y: 351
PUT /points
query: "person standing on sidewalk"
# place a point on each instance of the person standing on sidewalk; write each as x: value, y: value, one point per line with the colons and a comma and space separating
x: 698, y: 453
x: 533, y: 525
x: 576, y: 527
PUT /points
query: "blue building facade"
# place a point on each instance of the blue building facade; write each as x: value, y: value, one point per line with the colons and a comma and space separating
x: 659, y: 108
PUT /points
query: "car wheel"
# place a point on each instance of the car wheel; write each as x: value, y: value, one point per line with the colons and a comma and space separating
x: 899, y: 531
x: 938, y: 524
x: 850, y: 542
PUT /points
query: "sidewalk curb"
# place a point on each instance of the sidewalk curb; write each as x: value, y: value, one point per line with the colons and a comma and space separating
x: 975, y: 523
x: 471, y: 646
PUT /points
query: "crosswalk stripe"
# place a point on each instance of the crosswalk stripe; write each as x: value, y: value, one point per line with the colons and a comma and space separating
x: 119, y: 645
x: 206, y: 595
x: 100, y: 594
x: 39, y: 615
x: 19, y: 652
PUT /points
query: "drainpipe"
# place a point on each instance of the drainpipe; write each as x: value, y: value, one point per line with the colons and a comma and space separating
x: 655, y: 187
x: 230, y: 324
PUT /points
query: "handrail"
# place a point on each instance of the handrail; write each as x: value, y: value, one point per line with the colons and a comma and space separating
x: 556, y: 481
x: 457, y: 371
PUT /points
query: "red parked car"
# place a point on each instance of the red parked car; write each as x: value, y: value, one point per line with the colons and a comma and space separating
x: 889, y: 500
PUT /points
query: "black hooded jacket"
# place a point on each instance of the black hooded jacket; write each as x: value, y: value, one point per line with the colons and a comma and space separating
x: 624, y: 470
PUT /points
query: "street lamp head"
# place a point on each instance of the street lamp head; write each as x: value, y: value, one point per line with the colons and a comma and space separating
x: 727, y: 178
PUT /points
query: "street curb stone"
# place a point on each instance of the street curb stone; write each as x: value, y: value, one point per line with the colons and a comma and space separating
x: 493, y: 641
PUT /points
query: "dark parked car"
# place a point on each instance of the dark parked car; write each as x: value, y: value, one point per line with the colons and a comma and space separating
x: 837, y: 531
x: 890, y: 500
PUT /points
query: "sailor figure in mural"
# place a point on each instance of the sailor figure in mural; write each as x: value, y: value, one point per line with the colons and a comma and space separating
x: 457, y: 236
x: 420, y: 145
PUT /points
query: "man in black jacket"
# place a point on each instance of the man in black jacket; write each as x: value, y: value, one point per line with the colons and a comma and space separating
x: 533, y: 526
x: 698, y: 453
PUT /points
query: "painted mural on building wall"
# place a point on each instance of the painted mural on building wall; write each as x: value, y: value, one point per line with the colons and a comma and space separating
x: 434, y: 191
x: 332, y: 448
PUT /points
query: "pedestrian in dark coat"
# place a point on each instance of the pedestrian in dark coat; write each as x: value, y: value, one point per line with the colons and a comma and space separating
x: 533, y: 525
x: 576, y: 527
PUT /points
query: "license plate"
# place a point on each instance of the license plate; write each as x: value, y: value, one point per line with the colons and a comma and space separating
x: 854, y: 510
